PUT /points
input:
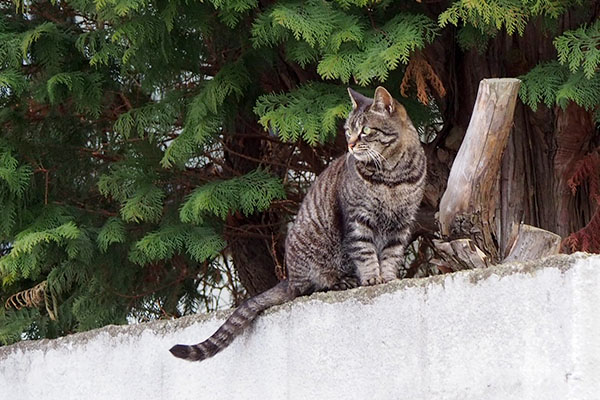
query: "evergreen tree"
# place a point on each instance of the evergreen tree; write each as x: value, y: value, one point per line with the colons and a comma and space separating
x: 154, y: 151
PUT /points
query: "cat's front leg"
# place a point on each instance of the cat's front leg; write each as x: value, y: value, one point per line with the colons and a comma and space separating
x: 361, y: 251
x: 392, y: 256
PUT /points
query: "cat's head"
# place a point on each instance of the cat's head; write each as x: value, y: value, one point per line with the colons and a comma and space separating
x: 377, y: 128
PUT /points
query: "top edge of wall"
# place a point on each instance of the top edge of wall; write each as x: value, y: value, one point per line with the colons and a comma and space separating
x: 362, y: 294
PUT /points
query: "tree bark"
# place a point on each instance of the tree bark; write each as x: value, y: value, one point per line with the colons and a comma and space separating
x: 252, y: 258
x: 250, y: 238
x: 469, y: 205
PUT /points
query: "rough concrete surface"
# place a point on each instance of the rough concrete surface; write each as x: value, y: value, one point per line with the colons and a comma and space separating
x: 515, y: 331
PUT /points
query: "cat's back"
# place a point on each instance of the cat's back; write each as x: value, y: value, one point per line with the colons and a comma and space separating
x: 313, y: 244
x: 320, y: 203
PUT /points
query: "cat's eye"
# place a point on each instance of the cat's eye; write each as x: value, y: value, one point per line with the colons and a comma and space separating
x: 366, y: 130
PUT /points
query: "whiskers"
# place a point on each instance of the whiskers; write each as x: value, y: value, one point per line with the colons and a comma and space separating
x: 375, y: 156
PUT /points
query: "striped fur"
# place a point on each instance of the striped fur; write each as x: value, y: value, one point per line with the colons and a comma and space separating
x: 355, y: 220
x: 234, y: 325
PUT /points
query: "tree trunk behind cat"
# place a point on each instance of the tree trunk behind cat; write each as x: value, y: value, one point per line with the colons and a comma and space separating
x: 543, y: 148
x: 250, y: 238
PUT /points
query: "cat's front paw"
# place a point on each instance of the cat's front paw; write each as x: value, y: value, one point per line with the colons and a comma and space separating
x: 388, y: 277
x: 346, y: 283
x: 375, y: 280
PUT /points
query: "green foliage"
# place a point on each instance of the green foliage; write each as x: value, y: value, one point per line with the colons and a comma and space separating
x: 386, y: 49
x: 44, y: 44
x: 490, y: 15
x: 310, y: 112
x: 573, y: 77
x: 267, y: 32
x: 140, y: 199
x: 149, y: 120
x: 14, y: 178
x: 200, y: 243
x: 341, y: 42
x: 312, y: 21
x: 580, y: 49
x: 84, y: 88
x: 302, y: 53
x: 10, y: 49
x: 553, y: 83
x: 249, y: 193
x: 578, y: 89
x: 542, y: 83
x: 319, y: 24
x: 11, y: 82
x: 34, y: 249
x: 27, y: 240
x: 112, y: 232
x: 144, y: 205
x: 495, y: 13
x: 33, y: 35
x: 231, y: 12
x: 204, y: 243
x: 14, y: 183
x: 550, y: 8
x: 13, y: 323
x: 205, y: 112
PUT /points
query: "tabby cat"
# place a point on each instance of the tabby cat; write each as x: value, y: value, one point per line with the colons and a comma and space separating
x: 355, y: 220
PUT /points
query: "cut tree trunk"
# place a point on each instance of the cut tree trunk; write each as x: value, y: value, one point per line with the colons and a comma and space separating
x: 474, y: 217
x: 468, y: 206
x: 533, y: 243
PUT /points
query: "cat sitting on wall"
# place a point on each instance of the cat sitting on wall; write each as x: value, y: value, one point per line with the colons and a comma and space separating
x: 355, y: 221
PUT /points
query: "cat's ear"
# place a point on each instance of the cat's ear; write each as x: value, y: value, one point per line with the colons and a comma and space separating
x: 383, y: 101
x: 358, y: 100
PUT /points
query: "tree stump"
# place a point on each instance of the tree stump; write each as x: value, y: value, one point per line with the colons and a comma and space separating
x: 470, y: 208
x: 533, y: 243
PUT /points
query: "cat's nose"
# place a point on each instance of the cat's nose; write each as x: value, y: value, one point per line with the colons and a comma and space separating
x: 352, y: 142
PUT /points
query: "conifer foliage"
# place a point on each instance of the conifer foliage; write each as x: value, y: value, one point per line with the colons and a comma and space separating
x: 152, y: 149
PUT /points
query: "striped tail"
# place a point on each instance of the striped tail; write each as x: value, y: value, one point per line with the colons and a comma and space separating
x: 234, y: 325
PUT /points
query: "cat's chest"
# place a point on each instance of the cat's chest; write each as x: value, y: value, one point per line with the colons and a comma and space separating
x: 384, y: 199
x: 381, y: 203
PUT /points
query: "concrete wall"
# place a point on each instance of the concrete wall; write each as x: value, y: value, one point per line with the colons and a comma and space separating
x: 518, y: 331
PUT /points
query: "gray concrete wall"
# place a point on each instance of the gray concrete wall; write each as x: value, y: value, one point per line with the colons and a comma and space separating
x: 517, y: 331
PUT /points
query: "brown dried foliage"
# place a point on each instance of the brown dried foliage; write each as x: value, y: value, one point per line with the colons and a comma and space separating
x: 424, y: 77
x: 588, y: 237
x: 32, y: 298
x: 587, y: 169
